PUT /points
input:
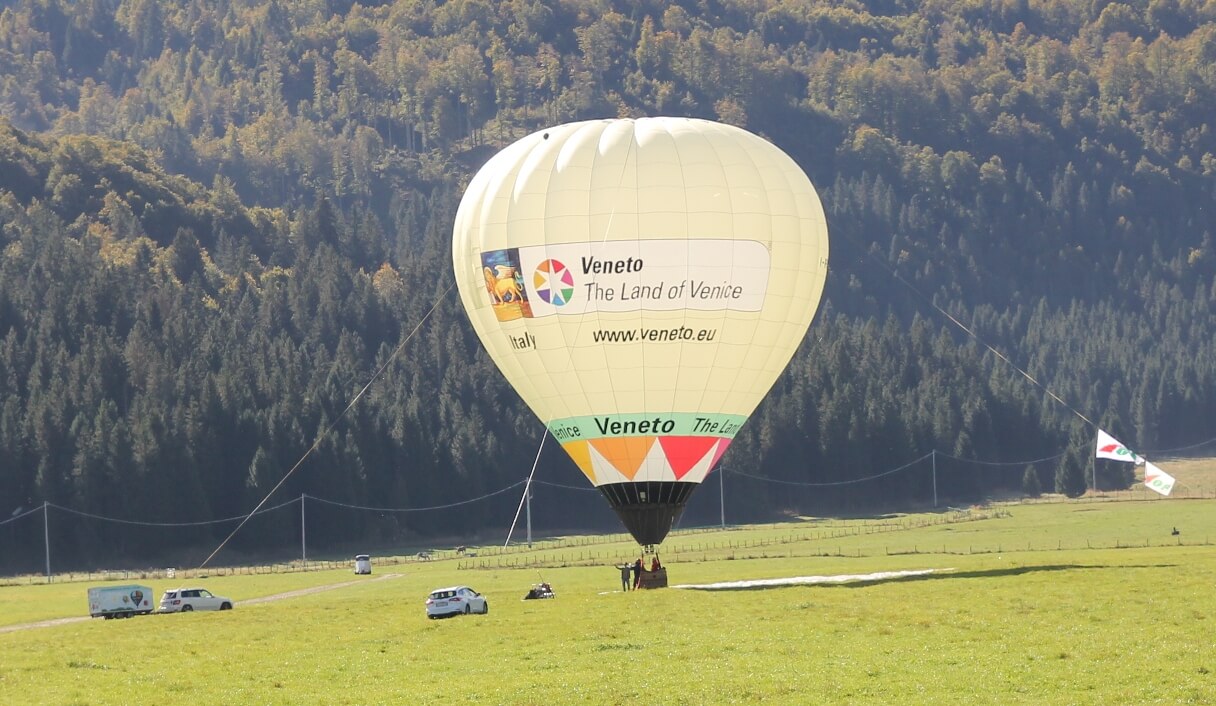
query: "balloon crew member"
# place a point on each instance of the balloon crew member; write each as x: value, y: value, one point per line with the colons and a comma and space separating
x: 626, y: 569
x: 637, y: 573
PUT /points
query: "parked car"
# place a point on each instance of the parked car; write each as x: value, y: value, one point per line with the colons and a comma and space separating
x: 184, y: 600
x: 456, y: 600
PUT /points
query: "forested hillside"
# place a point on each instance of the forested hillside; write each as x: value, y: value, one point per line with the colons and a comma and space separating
x: 219, y: 217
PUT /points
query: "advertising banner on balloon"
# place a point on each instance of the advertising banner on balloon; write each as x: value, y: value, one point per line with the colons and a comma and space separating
x: 572, y: 279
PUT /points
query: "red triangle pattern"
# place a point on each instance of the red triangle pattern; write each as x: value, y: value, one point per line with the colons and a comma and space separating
x: 684, y: 452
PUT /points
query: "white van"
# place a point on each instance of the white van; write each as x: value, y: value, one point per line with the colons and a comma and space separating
x: 363, y: 564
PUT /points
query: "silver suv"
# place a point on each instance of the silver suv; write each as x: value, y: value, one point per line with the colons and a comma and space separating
x: 456, y: 600
x: 184, y: 600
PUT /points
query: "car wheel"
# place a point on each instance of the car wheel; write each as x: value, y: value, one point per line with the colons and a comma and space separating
x: 187, y: 608
x: 485, y: 608
x: 225, y: 606
x: 467, y: 609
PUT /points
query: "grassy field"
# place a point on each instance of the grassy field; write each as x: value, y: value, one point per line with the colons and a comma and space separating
x: 1069, y: 603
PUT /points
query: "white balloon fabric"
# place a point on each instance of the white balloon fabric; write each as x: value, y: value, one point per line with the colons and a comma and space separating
x: 641, y: 283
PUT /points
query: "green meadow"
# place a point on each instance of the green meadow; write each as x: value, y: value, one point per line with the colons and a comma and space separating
x: 1089, y: 602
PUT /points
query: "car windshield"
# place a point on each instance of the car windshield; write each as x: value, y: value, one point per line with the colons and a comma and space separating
x: 170, y: 594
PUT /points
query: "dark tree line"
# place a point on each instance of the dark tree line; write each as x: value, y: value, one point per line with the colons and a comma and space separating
x: 218, y: 218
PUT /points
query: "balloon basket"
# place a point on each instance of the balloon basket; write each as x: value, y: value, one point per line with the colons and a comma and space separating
x: 653, y: 579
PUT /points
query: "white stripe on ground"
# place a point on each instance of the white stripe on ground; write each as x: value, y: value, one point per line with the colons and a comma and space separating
x: 43, y: 624
x: 251, y: 601
x: 315, y: 589
x: 808, y: 580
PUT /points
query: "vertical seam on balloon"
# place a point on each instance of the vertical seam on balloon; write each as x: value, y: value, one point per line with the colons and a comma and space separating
x: 479, y: 215
x: 520, y: 368
x: 506, y: 224
x: 720, y: 131
x: 802, y: 212
x: 604, y: 239
x: 749, y: 153
x: 777, y: 346
x: 616, y: 403
x: 546, y: 243
x: 774, y: 350
x: 637, y: 241
x: 687, y: 259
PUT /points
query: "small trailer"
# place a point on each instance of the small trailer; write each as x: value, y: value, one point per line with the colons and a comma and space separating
x: 120, y: 601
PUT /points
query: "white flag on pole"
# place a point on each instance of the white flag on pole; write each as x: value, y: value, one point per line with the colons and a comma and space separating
x: 1157, y: 479
x: 1110, y: 447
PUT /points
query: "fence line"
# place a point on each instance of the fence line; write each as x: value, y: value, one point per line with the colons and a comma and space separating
x: 745, y: 553
x: 171, y: 573
x: 555, y: 543
x: 821, y: 532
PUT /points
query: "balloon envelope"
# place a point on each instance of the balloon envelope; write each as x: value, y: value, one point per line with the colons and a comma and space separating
x: 642, y: 284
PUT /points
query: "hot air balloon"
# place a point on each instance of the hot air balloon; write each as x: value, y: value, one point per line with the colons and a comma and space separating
x: 641, y: 284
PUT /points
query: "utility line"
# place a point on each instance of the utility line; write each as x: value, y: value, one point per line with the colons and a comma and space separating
x: 171, y: 524
x: 1003, y: 463
x: 351, y: 506
x: 1159, y: 452
x: 321, y: 437
x: 563, y: 485
x: 516, y: 484
x: 834, y: 483
x: 16, y: 517
x: 972, y: 334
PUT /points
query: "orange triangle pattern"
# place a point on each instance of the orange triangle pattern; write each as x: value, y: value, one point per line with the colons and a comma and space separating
x: 581, y: 455
x: 625, y: 453
x: 684, y: 452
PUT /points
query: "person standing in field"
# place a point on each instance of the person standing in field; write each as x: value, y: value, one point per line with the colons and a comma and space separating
x: 625, y: 569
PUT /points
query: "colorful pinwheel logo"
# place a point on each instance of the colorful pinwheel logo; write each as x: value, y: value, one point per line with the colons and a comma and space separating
x: 553, y: 282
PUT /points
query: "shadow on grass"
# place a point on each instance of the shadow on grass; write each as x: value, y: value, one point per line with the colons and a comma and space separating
x: 864, y: 580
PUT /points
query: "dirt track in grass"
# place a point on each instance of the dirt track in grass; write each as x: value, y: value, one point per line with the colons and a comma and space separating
x: 251, y: 601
